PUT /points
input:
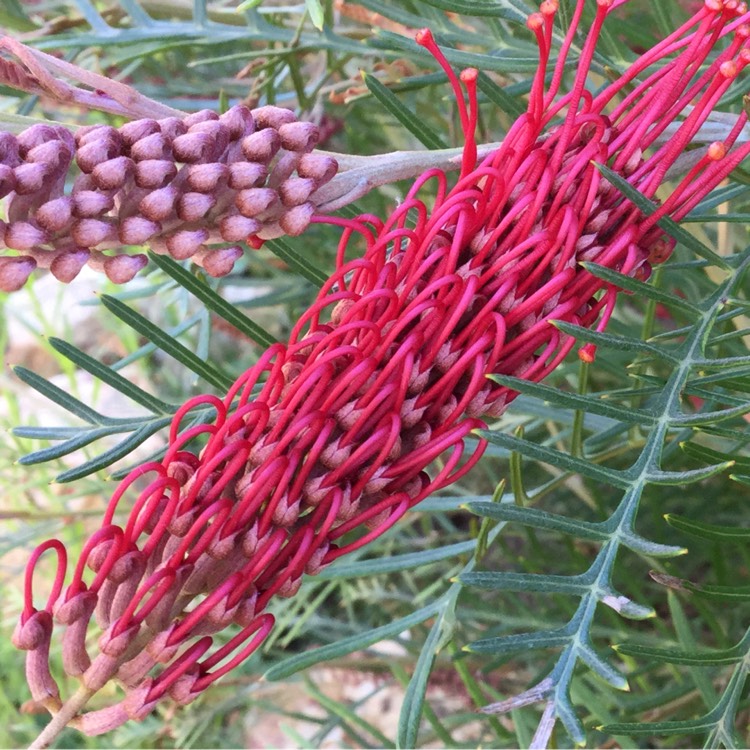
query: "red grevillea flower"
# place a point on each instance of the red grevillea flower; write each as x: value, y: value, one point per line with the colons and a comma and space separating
x: 325, y: 442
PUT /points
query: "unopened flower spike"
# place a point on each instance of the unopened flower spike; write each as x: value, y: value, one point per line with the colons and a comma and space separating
x: 330, y: 438
x: 187, y: 186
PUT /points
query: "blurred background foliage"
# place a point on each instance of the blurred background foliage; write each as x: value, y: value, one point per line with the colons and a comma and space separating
x: 598, y: 558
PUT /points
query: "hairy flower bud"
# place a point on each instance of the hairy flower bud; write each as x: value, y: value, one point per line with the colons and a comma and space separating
x: 185, y: 243
x: 68, y: 264
x: 15, y: 271
x: 55, y: 215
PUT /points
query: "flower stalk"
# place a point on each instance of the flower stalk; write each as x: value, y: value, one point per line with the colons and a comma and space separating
x: 329, y: 439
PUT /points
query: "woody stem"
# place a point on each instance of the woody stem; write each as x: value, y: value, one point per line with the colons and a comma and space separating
x: 71, y: 708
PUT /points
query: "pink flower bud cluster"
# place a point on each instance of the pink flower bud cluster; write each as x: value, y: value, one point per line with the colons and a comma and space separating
x: 185, y: 187
x: 328, y: 440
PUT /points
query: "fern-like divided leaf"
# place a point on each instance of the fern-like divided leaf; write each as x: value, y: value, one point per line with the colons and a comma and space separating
x: 662, y: 419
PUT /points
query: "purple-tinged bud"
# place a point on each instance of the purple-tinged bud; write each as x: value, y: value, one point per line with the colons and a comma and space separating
x: 91, y: 203
x: 272, y: 117
x: 55, y: 215
x: 247, y: 174
x: 194, y: 206
x: 136, y: 230
x: 238, y: 120
x: 101, y: 671
x: 83, y: 182
x: 34, y: 632
x: 34, y: 636
x: 289, y: 588
x: 99, y: 555
x: 181, y: 471
x: 315, y: 563
x: 122, y: 268
x: 218, y: 132
x: 35, y: 136
x: 299, y: 136
x: 137, y: 129
x: 269, y: 231
x: 15, y: 272
x: 112, y: 174
x: 255, y: 201
x: 296, y: 220
x: 296, y: 190
x: 9, y: 155
x: 584, y: 242
x: 95, y: 152
x: 598, y: 222
x: 92, y: 133
x: 76, y: 614
x: 154, y: 146
x: 218, y: 263
x: 31, y: 178
x: 54, y: 153
x: 159, y: 617
x: 126, y: 574
x: 101, y: 721
x: 92, y: 232
x: 171, y: 127
x: 237, y: 228
x: 661, y: 250
x: 317, y: 167
x: 185, y: 243
x: 283, y: 168
x: 137, y: 704
x: 154, y: 173
x: 159, y: 204
x: 204, y: 178
x: 22, y: 235
x: 133, y: 672
x: 633, y: 162
x: 261, y: 146
x: 66, y: 266
x: 194, y: 147
x: 202, y: 115
x: 245, y: 612
x: 7, y: 180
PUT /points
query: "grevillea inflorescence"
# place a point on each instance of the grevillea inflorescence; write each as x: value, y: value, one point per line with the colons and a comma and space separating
x: 327, y: 440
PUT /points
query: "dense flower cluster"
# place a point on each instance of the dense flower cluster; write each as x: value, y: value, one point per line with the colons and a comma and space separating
x: 326, y: 441
x: 184, y: 186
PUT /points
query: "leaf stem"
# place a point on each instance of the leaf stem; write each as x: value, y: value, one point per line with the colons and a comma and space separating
x: 60, y: 720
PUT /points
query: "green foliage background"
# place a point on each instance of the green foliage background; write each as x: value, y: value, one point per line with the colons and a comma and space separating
x: 611, y: 511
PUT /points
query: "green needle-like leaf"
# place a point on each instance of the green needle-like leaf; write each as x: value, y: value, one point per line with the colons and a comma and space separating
x: 110, y: 377
x: 346, y: 569
x: 121, y: 450
x: 550, y: 584
x: 167, y: 343
x: 417, y: 127
x: 513, y: 644
x: 540, y: 519
x: 59, y: 396
x: 563, y: 399
x: 213, y: 301
x: 640, y: 288
x: 281, y: 248
x: 345, y: 646
x: 670, y: 227
x: 563, y: 460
